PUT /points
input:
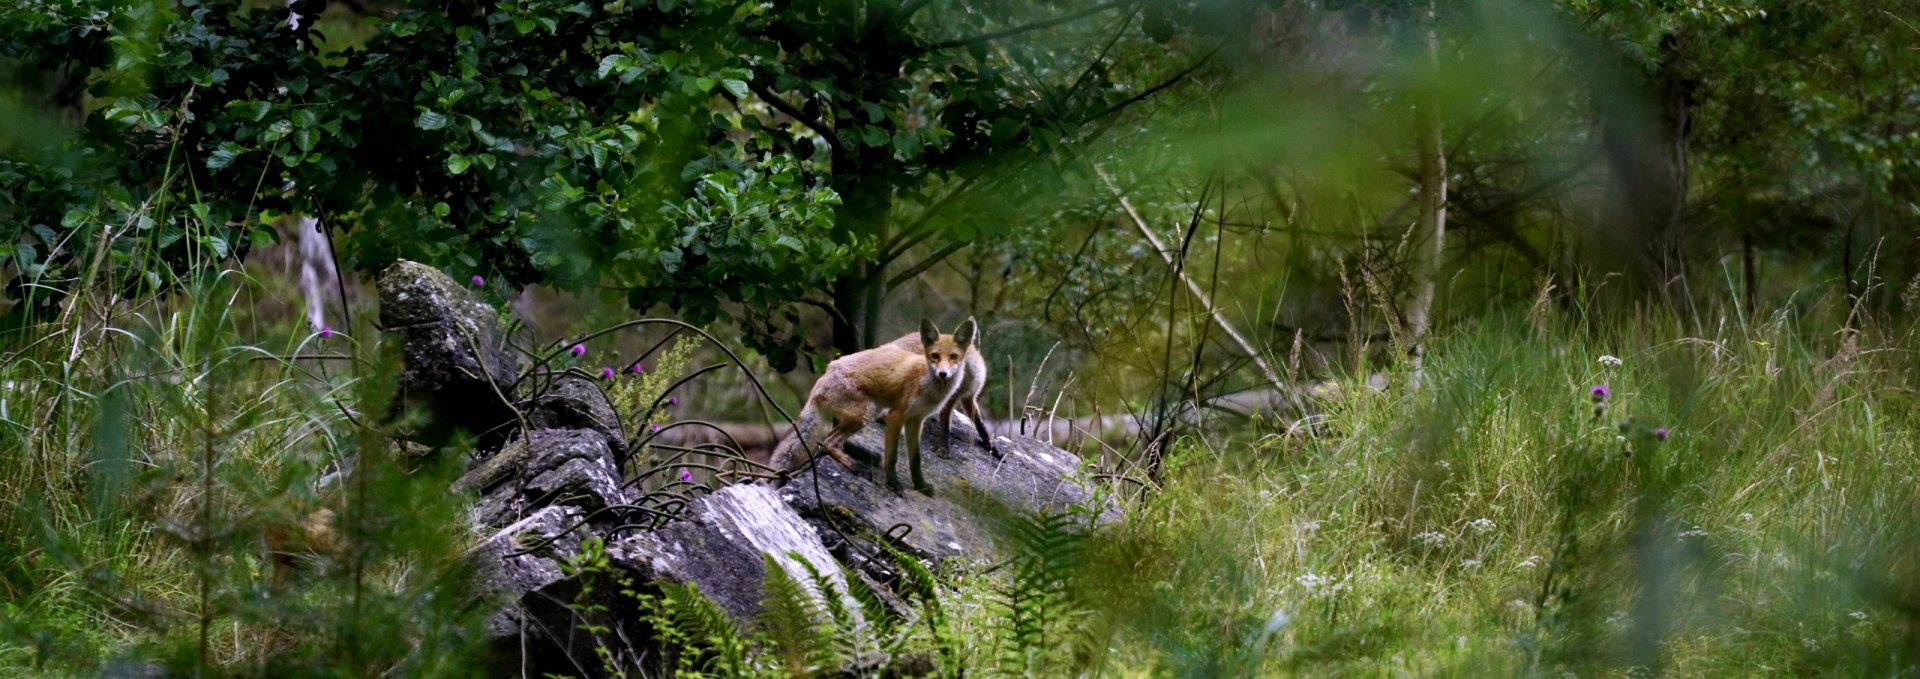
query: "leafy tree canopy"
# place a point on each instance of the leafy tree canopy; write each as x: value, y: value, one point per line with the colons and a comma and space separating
x: 690, y: 152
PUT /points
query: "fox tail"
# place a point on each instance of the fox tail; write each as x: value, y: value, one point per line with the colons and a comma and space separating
x: 789, y: 454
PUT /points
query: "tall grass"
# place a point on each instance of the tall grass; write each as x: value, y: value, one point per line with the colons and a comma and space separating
x: 1495, y: 522
x: 183, y: 486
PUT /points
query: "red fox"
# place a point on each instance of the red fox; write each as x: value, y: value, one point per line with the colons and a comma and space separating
x: 973, y: 379
x: 906, y: 385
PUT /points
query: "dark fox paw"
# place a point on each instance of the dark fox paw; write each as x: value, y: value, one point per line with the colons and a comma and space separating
x: 924, y: 489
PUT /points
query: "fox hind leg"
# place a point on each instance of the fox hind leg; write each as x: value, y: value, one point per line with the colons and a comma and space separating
x: 946, y: 430
x: 979, y: 425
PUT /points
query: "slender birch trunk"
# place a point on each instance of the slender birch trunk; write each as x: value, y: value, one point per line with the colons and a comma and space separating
x: 1430, y: 237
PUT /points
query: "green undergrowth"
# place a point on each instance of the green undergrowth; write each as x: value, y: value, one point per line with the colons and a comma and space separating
x: 1740, y: 502
x: 184, y: 487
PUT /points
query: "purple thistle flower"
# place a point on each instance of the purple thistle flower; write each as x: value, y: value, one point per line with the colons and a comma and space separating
x: 326, y: 332
x: 686, y: 475
x: 1600, y: 392
x: 606, y: 373
x: 673, y: 400
x: 639, y: 368
x: 579, y: 350
x: 478, y: 281
x: 1660, y: 433
x: 656, y: 428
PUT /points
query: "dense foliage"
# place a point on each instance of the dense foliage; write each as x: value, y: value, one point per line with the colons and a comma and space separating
x: 693, y: 154
x: 1653, y: 413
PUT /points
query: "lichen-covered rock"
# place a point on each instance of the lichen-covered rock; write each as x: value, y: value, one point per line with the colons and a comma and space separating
x: 528, y: 580
x: 574, y: 403
x: 573, y: 467
x: 967, y: 479
x: 457, y: 367
x: 719, y: 543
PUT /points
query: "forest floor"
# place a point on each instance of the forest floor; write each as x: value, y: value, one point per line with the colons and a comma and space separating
x: 1552, y: 497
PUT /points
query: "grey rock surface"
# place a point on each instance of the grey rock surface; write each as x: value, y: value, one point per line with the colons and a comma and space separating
x: 528, y: 579
x: 457, y: 367
x: 967, y: 480
x: 571, y: 467
x: 718, y: 545
x: 574, y: 403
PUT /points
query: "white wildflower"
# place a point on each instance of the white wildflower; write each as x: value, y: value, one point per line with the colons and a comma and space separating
x: 1481, y: 525
x: 1532, y: 561
x: 1858, y: 615
x: 1746, y: 516
x: 1695, y: 532
x: 1469, y: 563
x: 1610, y: 361
x: 1431, y: 538
x: 1311, y: 582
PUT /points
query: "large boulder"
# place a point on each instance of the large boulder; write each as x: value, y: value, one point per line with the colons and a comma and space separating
x: 719, y: 543
x: 573, y: 403
x: 556, y: 481
x: 571, y: 467
x: 456, y: 365
x: 968, y: 483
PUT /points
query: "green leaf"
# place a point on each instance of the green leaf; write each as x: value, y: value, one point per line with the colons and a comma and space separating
x: 458, y: 164
x: 223, y: 156
x: 737, y: 87
x: 429, y: 120
x: 254, y: 110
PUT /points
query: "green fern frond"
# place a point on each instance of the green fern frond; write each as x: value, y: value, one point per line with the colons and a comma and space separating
x: 790, y: 620
x: 848, y: 634
x: 704, y: 636
x: 1040, y: 608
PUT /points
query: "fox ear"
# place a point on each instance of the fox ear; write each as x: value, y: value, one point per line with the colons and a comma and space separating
x: 967, y: 333
x: 929, y: 333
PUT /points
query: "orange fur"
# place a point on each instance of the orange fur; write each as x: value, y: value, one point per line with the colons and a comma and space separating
x: 903, y: 385
x: 973, y: 380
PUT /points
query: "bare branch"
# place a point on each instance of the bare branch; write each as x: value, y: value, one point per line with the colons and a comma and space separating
x: 927, y: 263
x: 782, y: 106
x: 1026, y: 28
x: 1140, y: 224
x: 1169, y: 82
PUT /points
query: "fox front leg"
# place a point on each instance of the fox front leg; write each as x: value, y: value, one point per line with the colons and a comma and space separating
x: 895, y: 419
x: 913, y: 458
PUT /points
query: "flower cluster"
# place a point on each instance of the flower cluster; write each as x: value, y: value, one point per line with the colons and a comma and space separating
x: 1602, y: 397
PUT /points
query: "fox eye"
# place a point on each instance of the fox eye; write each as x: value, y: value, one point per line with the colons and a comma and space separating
x: 953, y: 357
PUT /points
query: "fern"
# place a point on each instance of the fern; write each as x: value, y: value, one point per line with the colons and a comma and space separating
x: 1040, y: 606
x: 790, y: 620
x: 848, y: 637
x: 700, y: 637
x: 920, y: 585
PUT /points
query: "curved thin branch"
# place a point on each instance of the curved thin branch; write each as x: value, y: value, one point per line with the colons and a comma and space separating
x: 782, y: 106
x: 1026, y: 28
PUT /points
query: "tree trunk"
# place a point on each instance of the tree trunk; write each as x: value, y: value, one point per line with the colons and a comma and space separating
x: 858, y: 294
x: 849, y: 303
x: 1430, y: 240
x: 1642, y: 230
